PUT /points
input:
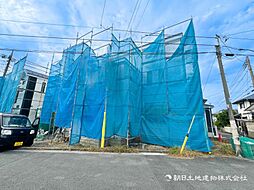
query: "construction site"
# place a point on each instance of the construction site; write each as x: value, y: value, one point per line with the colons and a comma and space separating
x: 147, y: 91
x: 138, y: 94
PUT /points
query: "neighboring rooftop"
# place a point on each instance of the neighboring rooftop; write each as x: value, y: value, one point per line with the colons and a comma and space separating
x: 246, y: 98
x: 207, y: 105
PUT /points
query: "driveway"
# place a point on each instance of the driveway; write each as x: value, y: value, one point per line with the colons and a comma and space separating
x: 27, y: 169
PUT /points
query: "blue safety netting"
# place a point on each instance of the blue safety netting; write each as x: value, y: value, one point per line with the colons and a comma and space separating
x: 1, y: 83
x: 52, y: 91
x: 172, y: 95
x: 67, y: 89
x: 9, y: 86
x: 143, y: 93
x: 59, y: 92
x: 123, y: 79
x: 89, y: 97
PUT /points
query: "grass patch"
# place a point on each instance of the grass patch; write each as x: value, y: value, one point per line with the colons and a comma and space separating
x: 219, y: 149
x: 222, y: 149
x: 114, y: 149
x: 175, y: 151
x: 85, y: 147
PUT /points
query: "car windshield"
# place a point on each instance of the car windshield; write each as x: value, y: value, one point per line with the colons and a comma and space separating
x: 16, y: 121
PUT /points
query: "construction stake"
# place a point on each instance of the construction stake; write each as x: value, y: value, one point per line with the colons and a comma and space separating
x: 103, y: 130
x: 187, y: 135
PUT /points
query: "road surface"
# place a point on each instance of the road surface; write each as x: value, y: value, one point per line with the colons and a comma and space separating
x: 24, y: 169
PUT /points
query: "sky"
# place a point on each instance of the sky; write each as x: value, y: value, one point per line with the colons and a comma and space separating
x: 232, y: 20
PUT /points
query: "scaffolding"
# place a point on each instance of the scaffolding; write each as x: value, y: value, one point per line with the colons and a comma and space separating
x: 146, y: 91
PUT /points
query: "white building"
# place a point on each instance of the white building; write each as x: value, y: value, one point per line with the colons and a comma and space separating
x: 245, y: 117
x: 243, y: 107
x: 30, y: 94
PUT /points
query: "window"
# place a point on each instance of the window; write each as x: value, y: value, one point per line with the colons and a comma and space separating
x: 28, y: 96
x: 43, y: 86
x: 16, y: 121
x: 241, y: 105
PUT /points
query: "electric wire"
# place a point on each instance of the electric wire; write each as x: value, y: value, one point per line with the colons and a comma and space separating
x: 132, y: 16
x: 242, y: 32
x: 102, y: 14
x: 225, y: 45
x: 211, y: 67
x: 142, y: 15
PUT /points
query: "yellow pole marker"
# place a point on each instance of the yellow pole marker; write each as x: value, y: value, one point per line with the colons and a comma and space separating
x: 103, y: 130
x: 187, y: 135
x: 184, y: 143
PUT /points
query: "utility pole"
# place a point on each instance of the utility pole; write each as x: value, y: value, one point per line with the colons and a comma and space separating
x: 247, y: 62
x: 233, y: 126
x: 8, y: 64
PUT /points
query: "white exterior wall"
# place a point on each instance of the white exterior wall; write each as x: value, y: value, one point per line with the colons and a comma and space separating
x: 38, y: 97
x: 244, y: 113
x: 21, y: 89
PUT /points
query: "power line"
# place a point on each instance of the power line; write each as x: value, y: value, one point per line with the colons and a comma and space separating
x: 235, y: 38
x: 215, y: 95
x: 103, y: 12
x: 105, y: 40
x: 223, y: 102
x: 95, y: 27
x: 69, y: 25
x: 47, y: 23
x: 242, y: 32
x: 242, y: 87
x: 36, y: 41
x: 74, y: 38
x: 243, y: 95
x: 237, y: 77
x: 238, y: 82
x: 225, y: 45
x: 32, y: 65
x: 132, y: 16
x: 37, y: 36
x: 141, y: 18
x: 101, y: 40
x: 72, y: 52
x: 209, y: 73
x: 240, y: 49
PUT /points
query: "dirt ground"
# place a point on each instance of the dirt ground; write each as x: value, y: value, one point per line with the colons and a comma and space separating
x: 219, y: 149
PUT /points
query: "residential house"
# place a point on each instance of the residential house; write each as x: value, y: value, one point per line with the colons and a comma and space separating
x: 30, y: 94
x: 243, y: 105
x: 245, y: 117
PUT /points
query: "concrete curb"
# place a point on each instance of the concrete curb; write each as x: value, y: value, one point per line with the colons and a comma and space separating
x: 87, y: 152
x: 141, y: 152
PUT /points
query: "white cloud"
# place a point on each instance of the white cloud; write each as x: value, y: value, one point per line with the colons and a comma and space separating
x: 210, y: 18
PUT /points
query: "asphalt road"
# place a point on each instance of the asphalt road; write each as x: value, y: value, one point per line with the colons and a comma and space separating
x: 55, y: 170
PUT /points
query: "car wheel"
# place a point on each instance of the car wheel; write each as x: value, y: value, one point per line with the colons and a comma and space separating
x: 29, y: 142
x: 2, y: 148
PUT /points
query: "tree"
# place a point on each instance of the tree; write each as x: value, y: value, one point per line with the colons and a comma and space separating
x: 222, y: 119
